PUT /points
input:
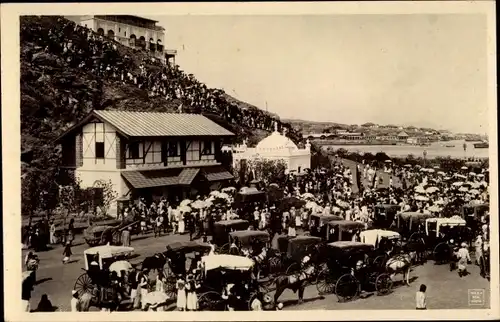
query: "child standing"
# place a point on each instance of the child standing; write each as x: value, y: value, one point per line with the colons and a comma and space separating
x: 181, y: 294
x: 421, y: 303
x: 67, y: 252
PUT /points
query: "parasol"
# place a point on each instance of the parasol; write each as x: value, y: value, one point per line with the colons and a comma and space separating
x: 459, y: 176
x: 430, y: 170
x: 184, y: 208
x: 199, y: 204
x: 434, y: 209
x: 308, y: 195
x: 441, y: 173
x: 421, y: 198
x: 464, y: 168
x: 119, y: 266
x: 436, y: 167
x: 311, y: 205
x: 457, y: 184
x: 472, y: 174
x: 185, y: 202
x: 229, y: 189
x: 463, y: 189
x: 474, y: 192
x: 432, y: 189
x: 408, y: 165
x: 420, y: 189
x: 388, y: 161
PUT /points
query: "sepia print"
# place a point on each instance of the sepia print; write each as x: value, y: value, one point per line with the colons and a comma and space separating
x: 185, y: 161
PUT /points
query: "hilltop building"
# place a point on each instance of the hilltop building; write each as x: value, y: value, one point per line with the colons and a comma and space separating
x: 147, y: 154
x: 276, y: 147
x: 131, y: 31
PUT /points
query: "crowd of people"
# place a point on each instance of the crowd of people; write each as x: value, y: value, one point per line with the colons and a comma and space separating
x: 82, y: 48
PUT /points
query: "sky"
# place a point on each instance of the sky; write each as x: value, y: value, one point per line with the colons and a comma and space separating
x: 419, y: 69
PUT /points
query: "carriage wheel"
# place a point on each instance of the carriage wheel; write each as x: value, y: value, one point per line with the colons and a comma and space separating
x: 224, y: 249
x: 383, y: 284
x: 442, y: 253
x: 325, y: 283
x: 210, y: 301
x: 293, y: 268
x: 170, y: 288
x: 379, y: 261
x: 266, y: 286
x: 346, y: 288
x: 84, y: 285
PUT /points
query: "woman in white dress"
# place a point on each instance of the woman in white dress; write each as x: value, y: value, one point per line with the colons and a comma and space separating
x: 181, y: 294
x: 180, y: 222
x: 192, y: 297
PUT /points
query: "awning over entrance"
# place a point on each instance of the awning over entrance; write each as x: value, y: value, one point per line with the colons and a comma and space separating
x: 152, y: 178
x: 140, y: 179
x: 216, y: 174
x: 187, y: 176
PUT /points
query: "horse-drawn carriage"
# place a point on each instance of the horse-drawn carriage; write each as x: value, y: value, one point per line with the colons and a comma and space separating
x: 348, y: 271
x: 100, y: 262
x: 440, y: 231
x: 473, y: 213
x: 96, y: 235
x: 291, y: 251
x: 384, y: 215
x: 243, y: 241
x: 318, y: 223
x: 222, y: 271
x: 342, y: 230
x: 222, y: 229
x: 173, y: 261
x: 384, y: 242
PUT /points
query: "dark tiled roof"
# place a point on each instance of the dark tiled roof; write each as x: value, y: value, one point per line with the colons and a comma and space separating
x: 141, y: 124
x: 217, y: 174
x: 152, y: 178
x: 187, y: 176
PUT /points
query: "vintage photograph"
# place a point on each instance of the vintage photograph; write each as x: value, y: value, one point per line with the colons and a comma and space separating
x: 255, y: 162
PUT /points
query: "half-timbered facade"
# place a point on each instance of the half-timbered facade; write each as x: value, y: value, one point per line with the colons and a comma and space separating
x: 147, y: 154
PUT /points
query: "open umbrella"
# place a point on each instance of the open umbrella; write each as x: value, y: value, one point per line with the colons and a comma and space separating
x: 184, y: 208
x: 434, y: 209
x: 436, y: 167
x: 229, y: 189
x: 311, y: 205
x: 185, y: 202
x: 474, y: 191
x: 408, y: 165
x: 388, y: 161
x: 430, y: 170
x: 308, y: 195
x: 199, y: 204
x: 420, y: 189
x: 432, y: 189
x: 457, y: 184
x: 421, y: 198
x: 441, y: 173
x: 464, y: 168
x: 463, y: 189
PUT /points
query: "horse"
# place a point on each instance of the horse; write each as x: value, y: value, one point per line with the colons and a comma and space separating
x: 155, y: 262
x: 400, y: 264
x: 295, y: 282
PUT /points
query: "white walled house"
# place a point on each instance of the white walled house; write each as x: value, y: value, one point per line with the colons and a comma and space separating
x: 276, y: 147
x: 131, y: 31
x: 147, y: 154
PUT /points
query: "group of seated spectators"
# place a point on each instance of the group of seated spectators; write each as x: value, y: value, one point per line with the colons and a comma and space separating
x: 84, y: 49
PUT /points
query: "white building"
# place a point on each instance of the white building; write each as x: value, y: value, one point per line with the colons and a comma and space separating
x: 276, y: 147
x: 131, y: 31
x: 147, y: 154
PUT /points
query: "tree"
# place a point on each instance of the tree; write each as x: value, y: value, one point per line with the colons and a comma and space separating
x: 268, y: 171
x: 108, y: 194
x: 69, y: 196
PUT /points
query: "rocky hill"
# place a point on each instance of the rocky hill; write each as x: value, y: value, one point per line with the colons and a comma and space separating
x: 67, y: 70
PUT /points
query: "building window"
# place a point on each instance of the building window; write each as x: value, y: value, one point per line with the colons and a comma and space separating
x: 119, y: 29
x: 172, y: 149
x: 99, y: 150
x: 125, y: 34
x: 207, y: 148
x: 133, y: 150
x: 193, y: 151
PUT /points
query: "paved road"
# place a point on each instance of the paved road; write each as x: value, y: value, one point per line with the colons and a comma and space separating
x: 445, y: 289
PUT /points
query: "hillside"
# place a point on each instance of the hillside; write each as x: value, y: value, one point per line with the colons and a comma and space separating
x: 67, y: 70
